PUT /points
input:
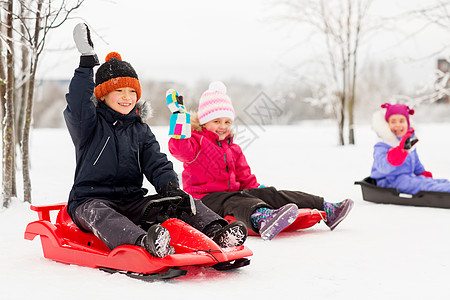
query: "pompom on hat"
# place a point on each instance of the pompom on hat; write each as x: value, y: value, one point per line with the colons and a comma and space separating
x: 215, y: 103
x: 397, y: 109
x: 113, y: 74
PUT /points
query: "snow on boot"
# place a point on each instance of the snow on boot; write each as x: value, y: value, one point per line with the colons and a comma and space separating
x: 232, y: 235
x: 157, y: 240
x: 336, y: 212
x: 271, y: 222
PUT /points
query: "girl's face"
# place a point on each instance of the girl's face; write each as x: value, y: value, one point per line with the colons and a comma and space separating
x: 220, y: 126
x: 121, y: 100
x: 398, y: 125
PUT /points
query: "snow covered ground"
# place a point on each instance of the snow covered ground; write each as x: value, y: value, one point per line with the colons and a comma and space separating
x: 378, y: 252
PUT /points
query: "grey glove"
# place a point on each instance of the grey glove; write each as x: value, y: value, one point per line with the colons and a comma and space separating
x: 82, y: 38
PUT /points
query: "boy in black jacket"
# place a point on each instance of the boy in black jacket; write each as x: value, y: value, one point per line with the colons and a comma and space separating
x: 114, y: 150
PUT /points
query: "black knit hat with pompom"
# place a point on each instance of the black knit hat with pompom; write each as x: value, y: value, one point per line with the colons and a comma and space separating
x: 113, y: 74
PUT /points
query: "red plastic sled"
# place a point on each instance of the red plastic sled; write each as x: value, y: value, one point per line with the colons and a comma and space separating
x: 306, y: 218
x: 64, y: 242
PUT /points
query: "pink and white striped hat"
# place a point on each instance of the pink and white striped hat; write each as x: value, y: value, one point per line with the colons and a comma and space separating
x: 215, y: 103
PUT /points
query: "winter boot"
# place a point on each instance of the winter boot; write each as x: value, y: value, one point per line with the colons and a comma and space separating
x: 336, y: 212
x: 270, y: 222
x: 232, y: 235
x: 156, y: 241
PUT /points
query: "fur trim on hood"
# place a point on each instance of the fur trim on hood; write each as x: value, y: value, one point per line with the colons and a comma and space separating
x: 195, y: 122
x: 381, y: 128
x: 144, y: 109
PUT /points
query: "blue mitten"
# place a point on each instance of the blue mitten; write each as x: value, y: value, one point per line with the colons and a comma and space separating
x: 180, y: 121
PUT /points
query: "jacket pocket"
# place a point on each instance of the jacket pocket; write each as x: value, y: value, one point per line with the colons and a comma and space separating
x: 139, y: 161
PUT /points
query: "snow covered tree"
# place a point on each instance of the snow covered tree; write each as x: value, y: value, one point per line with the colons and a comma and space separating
x: 433, y: 15
x: 341, y: 25
x: 27, y: 25
x: 8, y: 106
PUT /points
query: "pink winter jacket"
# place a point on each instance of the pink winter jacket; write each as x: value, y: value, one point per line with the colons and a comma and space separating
x: 211, y: 165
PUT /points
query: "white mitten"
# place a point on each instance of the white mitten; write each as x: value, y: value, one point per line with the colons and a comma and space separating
x: 82, y: 38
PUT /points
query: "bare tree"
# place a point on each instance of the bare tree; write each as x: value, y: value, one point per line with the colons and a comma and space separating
x: 2, y: 89
x: 341, y: 26
x: 30, y: 25
x: 8, y: 115
x: 3, y: 80
x: 22, y: 84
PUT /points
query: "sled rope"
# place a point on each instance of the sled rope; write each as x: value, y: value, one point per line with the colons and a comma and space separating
x: 210, y: 252
x: 315, y: 210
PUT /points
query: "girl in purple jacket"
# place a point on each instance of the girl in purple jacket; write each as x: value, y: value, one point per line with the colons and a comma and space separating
x: 216, y: 171
x: 395, y: 160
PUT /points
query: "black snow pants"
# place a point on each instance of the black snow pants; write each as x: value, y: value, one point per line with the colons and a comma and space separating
x: 242, y: 204
x: 119, y: 224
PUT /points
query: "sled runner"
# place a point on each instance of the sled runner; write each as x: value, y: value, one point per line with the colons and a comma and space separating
x: 371, y: 192
x: 306, y: 218
x: 64, y: 242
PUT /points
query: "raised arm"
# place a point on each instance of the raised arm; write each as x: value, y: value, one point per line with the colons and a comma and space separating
x: 80, y: 114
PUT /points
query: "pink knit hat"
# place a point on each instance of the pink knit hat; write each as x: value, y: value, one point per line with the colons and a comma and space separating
x: 397, y: 109
x: 215, y: 103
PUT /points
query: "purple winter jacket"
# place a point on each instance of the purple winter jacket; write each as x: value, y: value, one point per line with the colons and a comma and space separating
x: 407, y: 177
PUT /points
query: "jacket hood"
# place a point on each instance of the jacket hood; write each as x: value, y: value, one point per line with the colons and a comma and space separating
x: 381, y: 128
x: 143, y: 109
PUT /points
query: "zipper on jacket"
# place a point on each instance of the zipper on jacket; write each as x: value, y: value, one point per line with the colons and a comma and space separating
x: 224, y: 157
x: 226, y: 168
x: 100, y: 154
x: 226, y: 164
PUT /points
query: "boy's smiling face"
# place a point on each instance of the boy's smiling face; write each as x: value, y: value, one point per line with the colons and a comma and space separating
x: 398, y: 124
x: 121, y: 100
x: 220, y: 126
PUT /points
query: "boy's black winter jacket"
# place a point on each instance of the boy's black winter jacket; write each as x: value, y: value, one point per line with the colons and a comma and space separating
x: 113, y: 151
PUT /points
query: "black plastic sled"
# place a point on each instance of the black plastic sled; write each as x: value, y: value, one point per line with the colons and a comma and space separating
x: 371, y: 192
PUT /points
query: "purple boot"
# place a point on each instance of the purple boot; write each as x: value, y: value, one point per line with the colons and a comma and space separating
x: 270, y: 222
x: 336, y: 212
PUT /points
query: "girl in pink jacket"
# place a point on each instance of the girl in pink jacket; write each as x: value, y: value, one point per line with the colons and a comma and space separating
x: 216, y: 171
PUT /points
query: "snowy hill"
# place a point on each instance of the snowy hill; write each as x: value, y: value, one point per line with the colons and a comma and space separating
x: 379, y: 252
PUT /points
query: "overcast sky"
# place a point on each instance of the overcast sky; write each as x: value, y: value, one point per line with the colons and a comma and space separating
x: 178, y: 40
